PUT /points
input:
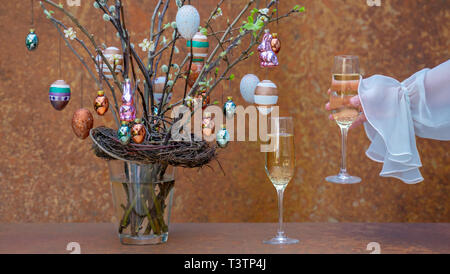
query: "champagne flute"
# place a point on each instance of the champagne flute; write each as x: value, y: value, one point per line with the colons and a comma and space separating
x: 344, y: 85
x: 280, y: 165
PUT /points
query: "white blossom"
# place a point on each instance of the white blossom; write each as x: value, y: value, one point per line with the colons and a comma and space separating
x: 147, y: 45
x: 70, y: 33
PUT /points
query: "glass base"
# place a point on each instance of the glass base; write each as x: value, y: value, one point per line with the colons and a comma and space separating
x: 144, y: 240
x: 281, y: 241
x: 344, y: 179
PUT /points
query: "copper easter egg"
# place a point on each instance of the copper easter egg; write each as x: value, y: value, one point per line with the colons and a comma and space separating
x: 138, y: 132
x: 275, y: 43
x: 196, y: 68
x: 101, y: 103
x: 82, y: 123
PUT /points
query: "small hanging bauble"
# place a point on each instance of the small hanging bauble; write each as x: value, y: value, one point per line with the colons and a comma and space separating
x: 158, y: 90
x: 275, y: 43
x: 188, y: 21
x: 229, y: 109
x: 124, y: 133
x: 267, y: 56
x: 266, y: 96
x: 196, y: 68
x: 59, y: 94
x: 82, y: 123
x: 101, y: 103
x: 222, y: 137
x: 115, y: 59
x: 32, y: 40
x: 208, y: 124
x: 200, y: 47
x: 138, y: 132
x: 248, y: 86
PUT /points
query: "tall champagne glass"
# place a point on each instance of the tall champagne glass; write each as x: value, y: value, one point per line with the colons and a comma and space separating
x: 344, y: 85
x: 280, y: 166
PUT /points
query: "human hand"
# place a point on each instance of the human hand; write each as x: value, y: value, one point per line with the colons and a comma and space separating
x: 355, y: 102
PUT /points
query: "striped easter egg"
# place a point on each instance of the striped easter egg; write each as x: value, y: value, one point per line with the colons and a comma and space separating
x: 59, y: 94
x: 158, y: 89
x: 266, y: 96
x: 200, y: 47
x: 115, y: 59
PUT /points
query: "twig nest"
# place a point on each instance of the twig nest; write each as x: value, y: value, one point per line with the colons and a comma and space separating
x: 115, y: 60
x: 59, y: 94
x: 248, y: 87
x: 188, y: 21
x: 266, y: 96
x: 82, y: 123
x: 200, y: 47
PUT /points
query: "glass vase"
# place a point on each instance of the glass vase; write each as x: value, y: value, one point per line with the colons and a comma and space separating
x: 142, y: 196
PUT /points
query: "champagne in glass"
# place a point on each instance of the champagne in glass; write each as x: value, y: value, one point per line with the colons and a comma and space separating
x: 344, y: 86
x: 280, y: 166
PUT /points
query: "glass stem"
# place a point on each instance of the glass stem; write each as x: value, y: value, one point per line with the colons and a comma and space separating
x: 280, y: 192
x: 344, y: 132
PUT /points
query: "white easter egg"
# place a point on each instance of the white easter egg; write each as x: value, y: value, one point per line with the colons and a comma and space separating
x: 248, y: 86
x: 188, y: 21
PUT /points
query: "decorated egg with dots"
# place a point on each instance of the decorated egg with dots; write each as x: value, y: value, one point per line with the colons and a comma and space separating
x: 200, y: 47
x: 115, y: 59
x: 188, y: 21
x: 248, y: 87
x: 59, y: 94
x: 266, y: 96
x: 82, y: 123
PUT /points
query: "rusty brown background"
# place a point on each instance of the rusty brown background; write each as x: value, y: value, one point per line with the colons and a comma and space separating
x: 48, y: 175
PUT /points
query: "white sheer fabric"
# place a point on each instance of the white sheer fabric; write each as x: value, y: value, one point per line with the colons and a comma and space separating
x: 396, y: 112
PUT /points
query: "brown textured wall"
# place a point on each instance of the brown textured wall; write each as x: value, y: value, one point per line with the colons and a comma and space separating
x: 47, y: 175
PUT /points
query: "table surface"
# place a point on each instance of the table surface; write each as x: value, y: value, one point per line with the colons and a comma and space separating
x: 231, y: 238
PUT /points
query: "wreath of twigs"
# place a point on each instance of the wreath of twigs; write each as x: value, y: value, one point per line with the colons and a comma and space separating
x: 176, y: 153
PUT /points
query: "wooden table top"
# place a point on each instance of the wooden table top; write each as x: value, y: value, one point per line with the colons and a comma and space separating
x: 231, y: 238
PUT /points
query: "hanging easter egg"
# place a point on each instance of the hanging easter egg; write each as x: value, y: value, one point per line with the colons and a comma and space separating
x: 267, y: 56
x: 275, y: 43
x: 127, y: 111
x: 196, y: 68
x: 248, y: 86
x: 124, y: 134
x: 222, y: 137
x: 188, y: 21
x: 158, y: 90
x: 59, y: 94
x: 203, y: 98
x: 138, y: 132
x: 266, y: 96
x: 82, y: 123
x: 115, y: 59
x: 200, y: 47
x: 208, y: 124
x: 101, y: 103
x: 229, y: 108
x: 32, y: 40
